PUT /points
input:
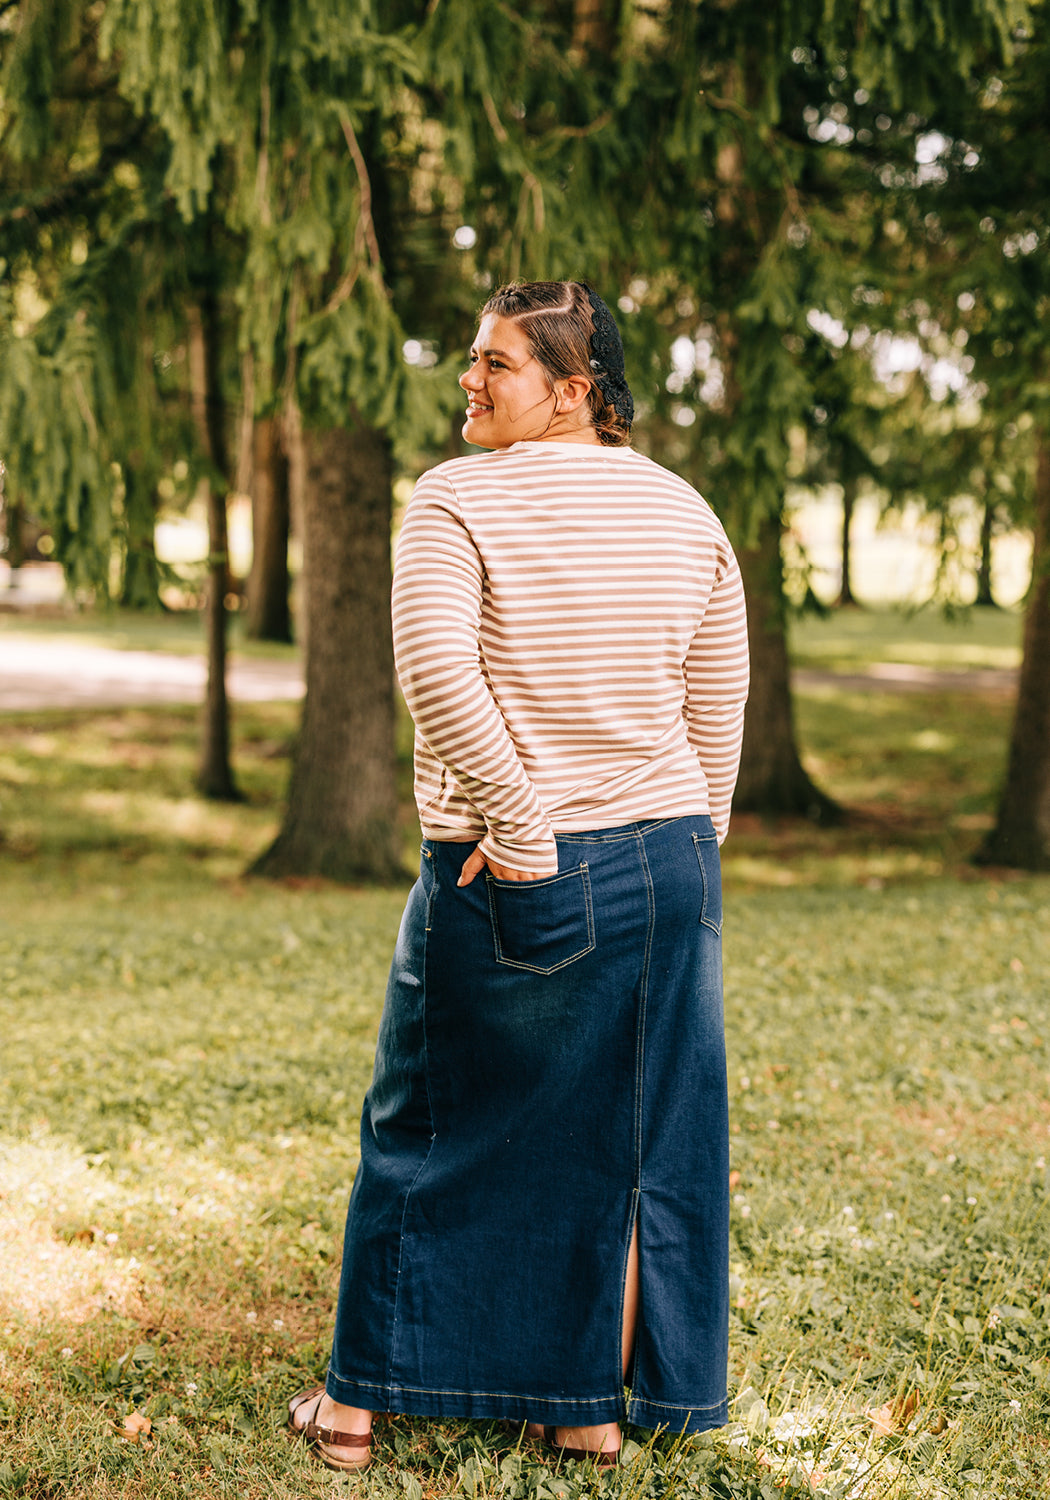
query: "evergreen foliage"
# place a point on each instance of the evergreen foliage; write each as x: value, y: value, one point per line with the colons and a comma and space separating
x: 339, y: 180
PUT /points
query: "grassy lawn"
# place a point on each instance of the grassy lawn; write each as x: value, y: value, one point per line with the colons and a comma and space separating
x: 184, y: 1053
x: 851, y: 639
x: 181, y: 632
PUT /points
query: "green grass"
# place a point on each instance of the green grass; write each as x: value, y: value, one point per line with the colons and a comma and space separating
x: 184, y: 1053
x: 849, y: 640
x: 180, y: 632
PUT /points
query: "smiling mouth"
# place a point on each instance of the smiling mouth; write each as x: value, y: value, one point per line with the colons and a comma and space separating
x: 475, y: 408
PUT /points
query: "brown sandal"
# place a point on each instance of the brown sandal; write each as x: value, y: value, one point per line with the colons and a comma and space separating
x: 319, y: 1438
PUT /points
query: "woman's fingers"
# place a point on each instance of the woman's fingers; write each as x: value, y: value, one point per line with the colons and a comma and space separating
x: 472, y: 865
x: 475, y: 862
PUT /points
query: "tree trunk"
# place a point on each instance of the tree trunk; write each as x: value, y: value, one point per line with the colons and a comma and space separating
x: 1021, y: 836
x: 342, y: 804
x: 772, y: 779
x: 269, y: 618
x: 140, y: 583
x: 849, y: 498
x: 14, y: 532
x: 214, y: 776
x: 984, y: 565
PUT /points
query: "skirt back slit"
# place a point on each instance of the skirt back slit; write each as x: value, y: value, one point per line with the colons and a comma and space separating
x: 550, y: 1067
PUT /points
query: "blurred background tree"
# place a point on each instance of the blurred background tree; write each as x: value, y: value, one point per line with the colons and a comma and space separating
x: 249, y: 240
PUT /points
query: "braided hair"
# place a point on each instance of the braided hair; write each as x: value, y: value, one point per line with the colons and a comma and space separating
x: 572, y: 332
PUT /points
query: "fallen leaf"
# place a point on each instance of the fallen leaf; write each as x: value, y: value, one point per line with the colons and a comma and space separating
x: 903, y: 1411
x: 136, y: 1426
x: 881, y: 1418
x: 734, y: 1180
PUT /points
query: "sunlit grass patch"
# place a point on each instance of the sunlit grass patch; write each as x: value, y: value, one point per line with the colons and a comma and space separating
x: 183, y: 1053
x: 850, y: 640
x: 889, y: 1069
x: 916, y: 774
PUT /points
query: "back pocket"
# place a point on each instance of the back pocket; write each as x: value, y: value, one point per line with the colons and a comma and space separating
x: 542, y: 925
x: 711, y: 872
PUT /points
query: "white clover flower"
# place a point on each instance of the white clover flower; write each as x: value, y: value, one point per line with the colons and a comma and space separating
x: 972, y: 1202
x: 792, y: 1427
x: 191, y: 1387
x: 278, y: 1322
x: 250, y: 1317
x: 1015, y: 1406
x: 66, y: 1352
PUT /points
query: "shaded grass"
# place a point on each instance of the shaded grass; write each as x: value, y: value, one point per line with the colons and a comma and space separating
x: 184, y: 1054
x: 184, y: 1152
x: 849, y: 640
x: 181, y: 632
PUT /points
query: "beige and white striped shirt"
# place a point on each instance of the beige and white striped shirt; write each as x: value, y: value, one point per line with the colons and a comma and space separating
x: 571, y: 640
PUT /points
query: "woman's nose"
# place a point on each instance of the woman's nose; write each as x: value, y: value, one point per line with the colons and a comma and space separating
x: 471, y: 380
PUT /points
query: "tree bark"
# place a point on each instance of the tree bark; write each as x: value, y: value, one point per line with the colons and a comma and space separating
x: 268, y: 616
x: 984, y: 565
x: 846, y: 597
x: 14, y: 532
x: 342, y: 803
x: 214, y: 775
x: 1021, y: 836
x: 140, y: 583
x: 772, y: 779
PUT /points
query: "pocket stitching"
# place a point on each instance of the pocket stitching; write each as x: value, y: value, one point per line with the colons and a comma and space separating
x: 704, y: 918
x: 582, y: 873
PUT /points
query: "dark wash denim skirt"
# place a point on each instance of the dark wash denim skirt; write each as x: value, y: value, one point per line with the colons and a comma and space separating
x: 550, y: 1070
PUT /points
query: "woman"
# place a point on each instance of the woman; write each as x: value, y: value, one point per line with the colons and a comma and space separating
x: 540, y: 1215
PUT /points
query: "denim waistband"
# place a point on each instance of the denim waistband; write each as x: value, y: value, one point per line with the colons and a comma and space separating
x: 640, y: 829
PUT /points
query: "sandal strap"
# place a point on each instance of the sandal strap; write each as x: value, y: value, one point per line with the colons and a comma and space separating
x: 603, y: 1458
x: 315, y: 1433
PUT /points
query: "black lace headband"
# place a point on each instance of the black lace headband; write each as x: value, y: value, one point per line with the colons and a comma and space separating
x: 607, y: 361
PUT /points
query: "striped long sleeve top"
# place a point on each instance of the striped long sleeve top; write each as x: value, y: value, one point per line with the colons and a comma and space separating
x: 571, y: 641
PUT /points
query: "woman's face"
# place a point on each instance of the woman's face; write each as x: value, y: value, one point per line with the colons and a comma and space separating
x: 508, y: 397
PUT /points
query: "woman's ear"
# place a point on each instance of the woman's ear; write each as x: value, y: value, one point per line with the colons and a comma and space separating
x: 572, y: 392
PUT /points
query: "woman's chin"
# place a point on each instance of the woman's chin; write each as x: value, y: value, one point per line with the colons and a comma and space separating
x: 473, y: 431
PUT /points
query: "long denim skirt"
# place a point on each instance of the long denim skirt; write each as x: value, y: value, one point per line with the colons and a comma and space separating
x: 550, y: 1071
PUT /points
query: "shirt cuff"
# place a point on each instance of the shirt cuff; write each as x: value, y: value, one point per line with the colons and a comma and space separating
x: 535, y: 856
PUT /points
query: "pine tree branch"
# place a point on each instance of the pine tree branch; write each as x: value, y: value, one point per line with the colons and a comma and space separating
x: 78, y: 191
x: 366, y: 223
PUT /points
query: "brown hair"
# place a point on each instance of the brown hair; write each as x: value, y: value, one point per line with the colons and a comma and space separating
x: 556, y: 319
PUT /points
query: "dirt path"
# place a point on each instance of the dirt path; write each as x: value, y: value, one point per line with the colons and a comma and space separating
x: 899, y: 677
x: 39, y: 674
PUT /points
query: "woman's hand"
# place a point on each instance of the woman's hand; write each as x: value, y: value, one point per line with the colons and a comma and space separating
x: 475, y: 862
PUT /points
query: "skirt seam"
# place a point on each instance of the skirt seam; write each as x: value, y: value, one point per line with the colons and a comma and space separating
x: 396, y: 1319
x: 391, y: 1387
x: 643, y: 1001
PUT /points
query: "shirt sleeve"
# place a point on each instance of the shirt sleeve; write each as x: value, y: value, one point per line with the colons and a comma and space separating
x: 716, y: 684
x: 439, y: 581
